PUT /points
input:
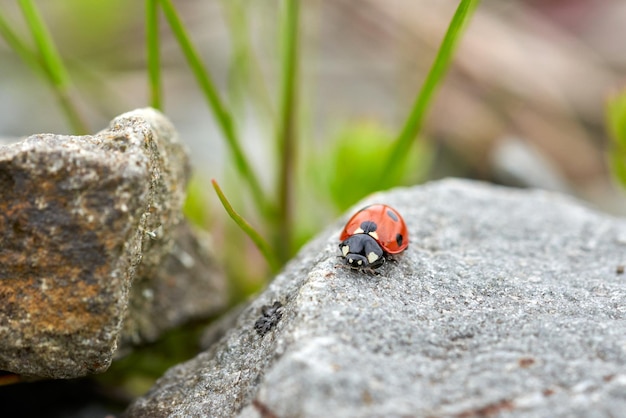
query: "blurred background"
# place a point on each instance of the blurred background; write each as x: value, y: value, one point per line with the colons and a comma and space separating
x: 533, y: 71
x: 524, y: 103
x: 528, y: 74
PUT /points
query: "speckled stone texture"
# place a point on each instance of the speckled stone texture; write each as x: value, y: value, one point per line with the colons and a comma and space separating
x: 189, y: 284
x: 506, y: 303
x: 80, y: 217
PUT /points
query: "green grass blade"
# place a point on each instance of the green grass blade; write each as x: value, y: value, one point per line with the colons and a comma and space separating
x: 20, y: 47
x: 44, y: 43
x: 616, y: 118
x: 438, y: 70
x: 258, y: 240
x: 286, y: 134
x: 222, y: 115
x: 152, y: 40
x: 616, y: 126
x: 246, y: 74
x: 617, y: 162
x: 54, y: 68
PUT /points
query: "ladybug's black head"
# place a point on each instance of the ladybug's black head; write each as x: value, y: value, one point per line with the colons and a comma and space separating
x: 362, y: 251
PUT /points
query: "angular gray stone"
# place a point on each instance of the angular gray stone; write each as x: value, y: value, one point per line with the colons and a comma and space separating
x: 80, y: 218
x: 506, y: 302
x: 188, y: 285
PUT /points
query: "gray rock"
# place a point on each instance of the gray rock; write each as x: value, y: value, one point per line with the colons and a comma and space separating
x: 506, y: 303
x: 80, y: 218
x: 189, y: 284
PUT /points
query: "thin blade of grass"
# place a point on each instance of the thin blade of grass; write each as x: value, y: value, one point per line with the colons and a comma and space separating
x: 258, y: 240
x: 616, y: 125
x: 438, y: 70
x: 222, y: 115
x: 19, y: 46
x: 616, y: 118
x: 617, y: 161
x: 152, y: 47
x: 53, y: 65
x: 246, y: 73
x: 286, y: 135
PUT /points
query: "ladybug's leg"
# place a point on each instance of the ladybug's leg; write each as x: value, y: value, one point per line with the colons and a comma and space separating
x: 372, y: 270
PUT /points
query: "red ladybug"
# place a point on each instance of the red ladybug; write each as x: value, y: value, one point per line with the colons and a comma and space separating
x: 371, y: 235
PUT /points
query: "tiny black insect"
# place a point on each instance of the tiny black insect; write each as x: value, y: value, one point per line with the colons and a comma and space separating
x: 270, y: 315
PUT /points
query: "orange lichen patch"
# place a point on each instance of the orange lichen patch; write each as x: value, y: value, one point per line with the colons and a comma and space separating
x: 68, y: 311
x: 493, y: 409
x: 46, y: 306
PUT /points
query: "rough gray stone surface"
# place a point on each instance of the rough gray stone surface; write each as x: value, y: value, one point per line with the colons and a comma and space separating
x: 80, y: 218
x: 189, y: 284
x: 506, y: 303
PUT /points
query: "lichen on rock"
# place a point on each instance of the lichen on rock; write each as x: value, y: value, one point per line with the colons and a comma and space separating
x: 80, y: 218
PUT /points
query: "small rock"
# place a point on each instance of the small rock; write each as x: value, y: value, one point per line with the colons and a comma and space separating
x: 458, y: 326
x: 80, y: 218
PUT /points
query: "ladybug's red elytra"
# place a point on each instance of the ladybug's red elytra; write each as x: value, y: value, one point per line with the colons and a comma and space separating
x: 371, y: 235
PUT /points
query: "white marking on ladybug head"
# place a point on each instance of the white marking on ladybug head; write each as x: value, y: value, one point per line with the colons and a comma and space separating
x: 373, y: 234
x: 359, y: 262
x: 372, y: 257
x: 345, y: 249
x: 350, y: 260
x: 358, y: 231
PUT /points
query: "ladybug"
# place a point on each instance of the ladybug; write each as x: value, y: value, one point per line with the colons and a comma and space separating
x: 371, y: 235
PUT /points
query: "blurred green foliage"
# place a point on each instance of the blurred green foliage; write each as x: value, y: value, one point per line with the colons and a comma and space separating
x: 616, y: 125
x: 353, y: 166
x: 196, y: 207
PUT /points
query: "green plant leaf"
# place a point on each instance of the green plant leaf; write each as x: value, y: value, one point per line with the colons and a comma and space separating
x: 352, y: 167
x: 19, y: 46
x: 286, y: 135
x: 413, y: 124
x: 46, y: 62
x: 152, y: 47
x: 618, y: 165
x: 616, y: 118
x: 616, y: 125
x: 195, y: 207
x: 245, y: 77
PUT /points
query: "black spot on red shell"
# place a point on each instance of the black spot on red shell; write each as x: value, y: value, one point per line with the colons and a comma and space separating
x: 399, y: 239
x: 368, y: 226
x: 392, y: 215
